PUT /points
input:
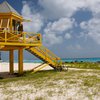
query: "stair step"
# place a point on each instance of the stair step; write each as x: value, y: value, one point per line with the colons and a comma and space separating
x: 36, y: 50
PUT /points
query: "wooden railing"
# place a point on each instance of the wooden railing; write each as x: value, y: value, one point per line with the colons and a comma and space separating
x: 47, y: 55
x: 52, y: 56
x: 21, y: 37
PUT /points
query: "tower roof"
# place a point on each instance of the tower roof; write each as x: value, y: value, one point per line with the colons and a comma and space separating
x: 5, y: 7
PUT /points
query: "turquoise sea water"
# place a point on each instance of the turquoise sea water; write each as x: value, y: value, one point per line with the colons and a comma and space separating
x: 81, y: 59
x: 66, y: 60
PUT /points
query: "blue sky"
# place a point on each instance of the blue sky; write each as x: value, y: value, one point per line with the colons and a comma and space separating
x: 70, y: 28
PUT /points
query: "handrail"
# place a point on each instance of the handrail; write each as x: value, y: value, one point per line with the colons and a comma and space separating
x: 50, y: 53
x: 57, y: 62
x: 23, y: 37
x: 46, y: 54
x: 14, y: 36
x: 43, y: 53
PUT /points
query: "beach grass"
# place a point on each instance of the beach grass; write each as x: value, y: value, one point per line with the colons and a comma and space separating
x: 52, y: 85
x: 84, y: 65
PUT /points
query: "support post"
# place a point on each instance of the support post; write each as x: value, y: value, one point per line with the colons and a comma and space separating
x: 20, y: 61
x: 11, y: 61
x: 11, y: 24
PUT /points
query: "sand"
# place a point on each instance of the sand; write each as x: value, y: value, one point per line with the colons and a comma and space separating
x: 61, y: 86
x: 4, y: 66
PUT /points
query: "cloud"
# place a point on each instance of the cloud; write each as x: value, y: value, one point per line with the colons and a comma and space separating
x: 58, y: 15
x: 52, y: 39
x: 37, y: 20
x: 60, y: 8
x: 92, y: 27
x: 57, y: 9
x: 66, y: 8
x: 83, y: 25
x: 53, y: 32
x: 94, y: 6
x: 68, y: 36
x: 59, y: 26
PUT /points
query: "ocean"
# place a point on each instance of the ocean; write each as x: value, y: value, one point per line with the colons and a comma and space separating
x: 81, y: 59
x: 65, y: 60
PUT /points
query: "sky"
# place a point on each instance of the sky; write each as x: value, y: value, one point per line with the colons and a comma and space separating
x: 69, y: 28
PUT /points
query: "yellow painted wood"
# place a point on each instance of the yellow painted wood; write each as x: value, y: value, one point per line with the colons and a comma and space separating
x: 2, y: 46
x: 40, y: 67
x: 20, y: 61
x: 24, y: 37
x: 10, y: 24
x: 12, y: 39
x: 43, y: 55
x: 5, y: 36
x: 8, y: 48
x: 20, y: 44
x: 11, y: 61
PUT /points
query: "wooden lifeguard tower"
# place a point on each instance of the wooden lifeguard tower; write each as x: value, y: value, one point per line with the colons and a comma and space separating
x: 11, y: 39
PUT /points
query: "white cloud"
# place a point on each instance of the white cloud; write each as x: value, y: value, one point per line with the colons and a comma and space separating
x: 36, y: 18
x: 61, y: 12
x: 68, y: 36
x: 53, y: 33
x: 94, y: 6
x: 59, y: 26
x: 83, y: 25
x: 60, y: 8
x: 92, y: 27
x: 52, y: 39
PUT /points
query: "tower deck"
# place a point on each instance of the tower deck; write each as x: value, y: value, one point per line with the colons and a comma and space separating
x: 15, y: 39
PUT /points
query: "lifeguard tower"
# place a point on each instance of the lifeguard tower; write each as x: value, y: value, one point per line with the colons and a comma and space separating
x: 11, y: 39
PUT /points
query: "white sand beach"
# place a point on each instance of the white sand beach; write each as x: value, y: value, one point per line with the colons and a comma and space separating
x: 4, y: 66
x: 66, y: 85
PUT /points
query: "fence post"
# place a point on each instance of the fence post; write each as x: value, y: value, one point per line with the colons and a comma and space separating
x: 5, y: 35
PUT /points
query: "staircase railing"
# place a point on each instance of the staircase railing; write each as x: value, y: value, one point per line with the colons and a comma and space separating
x: 49, y: 55
x: 49, y: 52
x: 52, y: 56
x: 42, y: 53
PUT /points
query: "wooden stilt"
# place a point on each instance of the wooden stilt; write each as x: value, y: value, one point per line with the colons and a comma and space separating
x: 11, y: 61
x: 20, y: 61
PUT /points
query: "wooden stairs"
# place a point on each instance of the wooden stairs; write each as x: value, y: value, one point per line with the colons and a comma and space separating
x: 46, y: 56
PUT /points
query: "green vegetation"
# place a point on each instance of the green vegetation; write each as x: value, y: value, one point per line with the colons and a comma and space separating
x: 85, y: 65
x: 47, y: 85
x: 39, y: 98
